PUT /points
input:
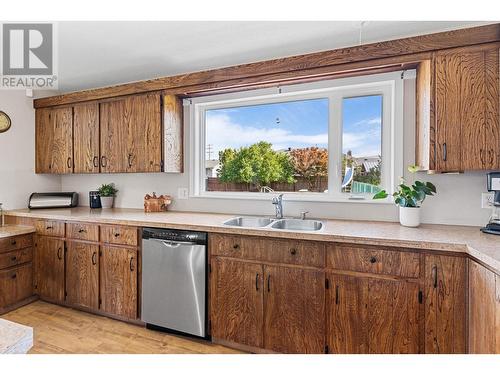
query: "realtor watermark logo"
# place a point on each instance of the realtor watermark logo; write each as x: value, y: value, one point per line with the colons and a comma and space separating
x: 28, y: 56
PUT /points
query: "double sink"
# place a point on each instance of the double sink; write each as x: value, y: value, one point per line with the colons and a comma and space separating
x: 269, y: 223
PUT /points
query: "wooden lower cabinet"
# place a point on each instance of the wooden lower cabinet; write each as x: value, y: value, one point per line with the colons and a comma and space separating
x: 369, y: 315
x: 445, y: 294
x: 82, y: 274
x: 237, y: 302
x: 49, y: 268
x: 484, y: 310
x: 118, y: 286
x: 16, y: 284
x: 294, y: 300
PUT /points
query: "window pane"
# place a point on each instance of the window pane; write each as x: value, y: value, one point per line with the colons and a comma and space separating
x: 268, y: 147
x: 362, y: 144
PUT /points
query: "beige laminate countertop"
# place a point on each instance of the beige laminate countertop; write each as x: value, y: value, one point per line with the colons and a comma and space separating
x: 15, y: 230
x: 451, y: 238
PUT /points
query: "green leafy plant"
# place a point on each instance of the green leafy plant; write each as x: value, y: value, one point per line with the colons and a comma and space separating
x: 258, y: 164
x: 108, y: 190
x: 409, y: 196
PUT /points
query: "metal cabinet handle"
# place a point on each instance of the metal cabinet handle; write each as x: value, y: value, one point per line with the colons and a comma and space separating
x: 445, y: 152
x: 337, y: 298
x: 94, y: 258
x: 104, y: 161
x: 257, y: 281
x: 130, y: 159
x: 435, y: 276
x: 59, y: 253
x: 49, y: 227
x: 13, y: 276
x: 293, y: 251
x: 68, y: 162
x: 131, y: 264
x: 14, y: 258
x: 269, y: 283
x: 95, y: 161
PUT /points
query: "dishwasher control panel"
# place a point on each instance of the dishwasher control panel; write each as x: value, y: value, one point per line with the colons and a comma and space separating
x: 174, y: 235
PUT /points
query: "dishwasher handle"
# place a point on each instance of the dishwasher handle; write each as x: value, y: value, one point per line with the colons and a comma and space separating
x: 171, y: 244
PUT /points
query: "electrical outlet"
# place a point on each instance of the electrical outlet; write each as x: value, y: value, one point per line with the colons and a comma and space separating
x: 487, y: 200
x: 182, y: 193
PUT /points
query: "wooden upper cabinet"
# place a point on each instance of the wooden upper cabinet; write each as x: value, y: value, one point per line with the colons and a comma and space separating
x: 467, y: 128
x: 86, y: 138
x: 118, y: 285
x: 172, y: 121
x: 54, y: 140
x: 445, y: 304
x: 369, y: 315
x: 49, y: 268
x: 294, y: 300
x: 82, y: 274
x: 237, y: 302
x: 131, y: 134
x: 484, y: 310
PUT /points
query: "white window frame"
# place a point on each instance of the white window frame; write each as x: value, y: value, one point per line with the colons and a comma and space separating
x: 389, y: 85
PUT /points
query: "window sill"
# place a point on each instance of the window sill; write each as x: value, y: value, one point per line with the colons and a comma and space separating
x: 290, y: 197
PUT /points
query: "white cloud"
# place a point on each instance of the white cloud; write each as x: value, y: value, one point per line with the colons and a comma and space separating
x: 372, y: 121
x: 223, y: 133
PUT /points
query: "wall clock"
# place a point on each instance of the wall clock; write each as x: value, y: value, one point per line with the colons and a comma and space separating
x: 5, y: 122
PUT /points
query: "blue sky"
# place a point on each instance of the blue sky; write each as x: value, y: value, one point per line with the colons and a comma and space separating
x: 296, y: 124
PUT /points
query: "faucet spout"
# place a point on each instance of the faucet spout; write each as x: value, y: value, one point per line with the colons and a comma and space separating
x: 278, y: 205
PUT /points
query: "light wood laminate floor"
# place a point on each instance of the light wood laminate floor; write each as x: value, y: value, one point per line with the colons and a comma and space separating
x: 60, y: 329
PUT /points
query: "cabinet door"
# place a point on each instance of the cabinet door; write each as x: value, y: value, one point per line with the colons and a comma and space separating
x: 467, y: 110
x: 294, y: 319
x: 445, y: 301
x: 86, y: 138
x: 237, y: 302
x: 49, y: 268
x: 131, y: 134
x: 54, y: 140
x: 484, y: 311
x: 82, y: 274
x: 369, y: 315
x: 118, y: 288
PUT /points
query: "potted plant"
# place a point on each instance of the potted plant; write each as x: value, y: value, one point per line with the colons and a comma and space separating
x: 409, y: 199
x: 107, y: 193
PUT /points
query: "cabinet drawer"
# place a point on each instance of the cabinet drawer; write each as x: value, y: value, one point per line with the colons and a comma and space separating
x: 50, y: 228
x: 13, y: 258
x: 15, y: 243
x: 16, y: 284
x: 310, y: 253
x: 80, y: 231
x: 235, y: 246
x: 307, y: 253
x: 373, y: 260
x: 119, y: 235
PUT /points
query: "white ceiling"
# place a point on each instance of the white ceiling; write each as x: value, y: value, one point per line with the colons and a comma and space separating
x: 96, y: 54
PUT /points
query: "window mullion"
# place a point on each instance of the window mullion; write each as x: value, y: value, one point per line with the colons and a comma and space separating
x: 334, y: 145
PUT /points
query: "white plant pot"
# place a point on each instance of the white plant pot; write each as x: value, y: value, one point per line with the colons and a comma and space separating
x: 107, y: 202
x: 409, y: 216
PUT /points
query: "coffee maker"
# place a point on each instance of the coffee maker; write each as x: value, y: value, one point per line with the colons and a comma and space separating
x: 94, y: 199
x: 493, y: 185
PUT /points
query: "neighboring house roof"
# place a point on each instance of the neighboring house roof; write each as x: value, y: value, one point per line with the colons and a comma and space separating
x: 210, y: 164
x: 368, y: 162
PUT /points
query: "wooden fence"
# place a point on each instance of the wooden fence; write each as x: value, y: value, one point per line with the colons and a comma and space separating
x: 320, y: 185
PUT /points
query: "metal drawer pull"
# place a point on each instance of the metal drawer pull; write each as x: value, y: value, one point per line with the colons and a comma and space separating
x: 14, y: 276
x: 373, y: 260
x: 293, y: 251
x: 132, y: 264
x: 94, y: 258
x: 82, y: 231
x: 257, y: 281
x: 117, y: 234
x: 236, y: 246
x: 435, y: 276
x: 49, y: 227
x: 13, y: 242
x: 14, y: 258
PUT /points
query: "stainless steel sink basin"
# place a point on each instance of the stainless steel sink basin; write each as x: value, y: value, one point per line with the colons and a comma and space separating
x: 251, y: 222
x: 298, y: 224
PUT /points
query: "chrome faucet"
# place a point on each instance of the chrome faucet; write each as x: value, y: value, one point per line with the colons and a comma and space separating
x: 278, y: 203
x: 303, y: 215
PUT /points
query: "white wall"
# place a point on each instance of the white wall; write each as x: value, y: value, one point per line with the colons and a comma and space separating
x: 17, y: 153
x: 457, y: 202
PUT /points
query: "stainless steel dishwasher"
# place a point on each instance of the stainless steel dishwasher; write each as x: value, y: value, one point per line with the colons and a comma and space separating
x: 174, y: 280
